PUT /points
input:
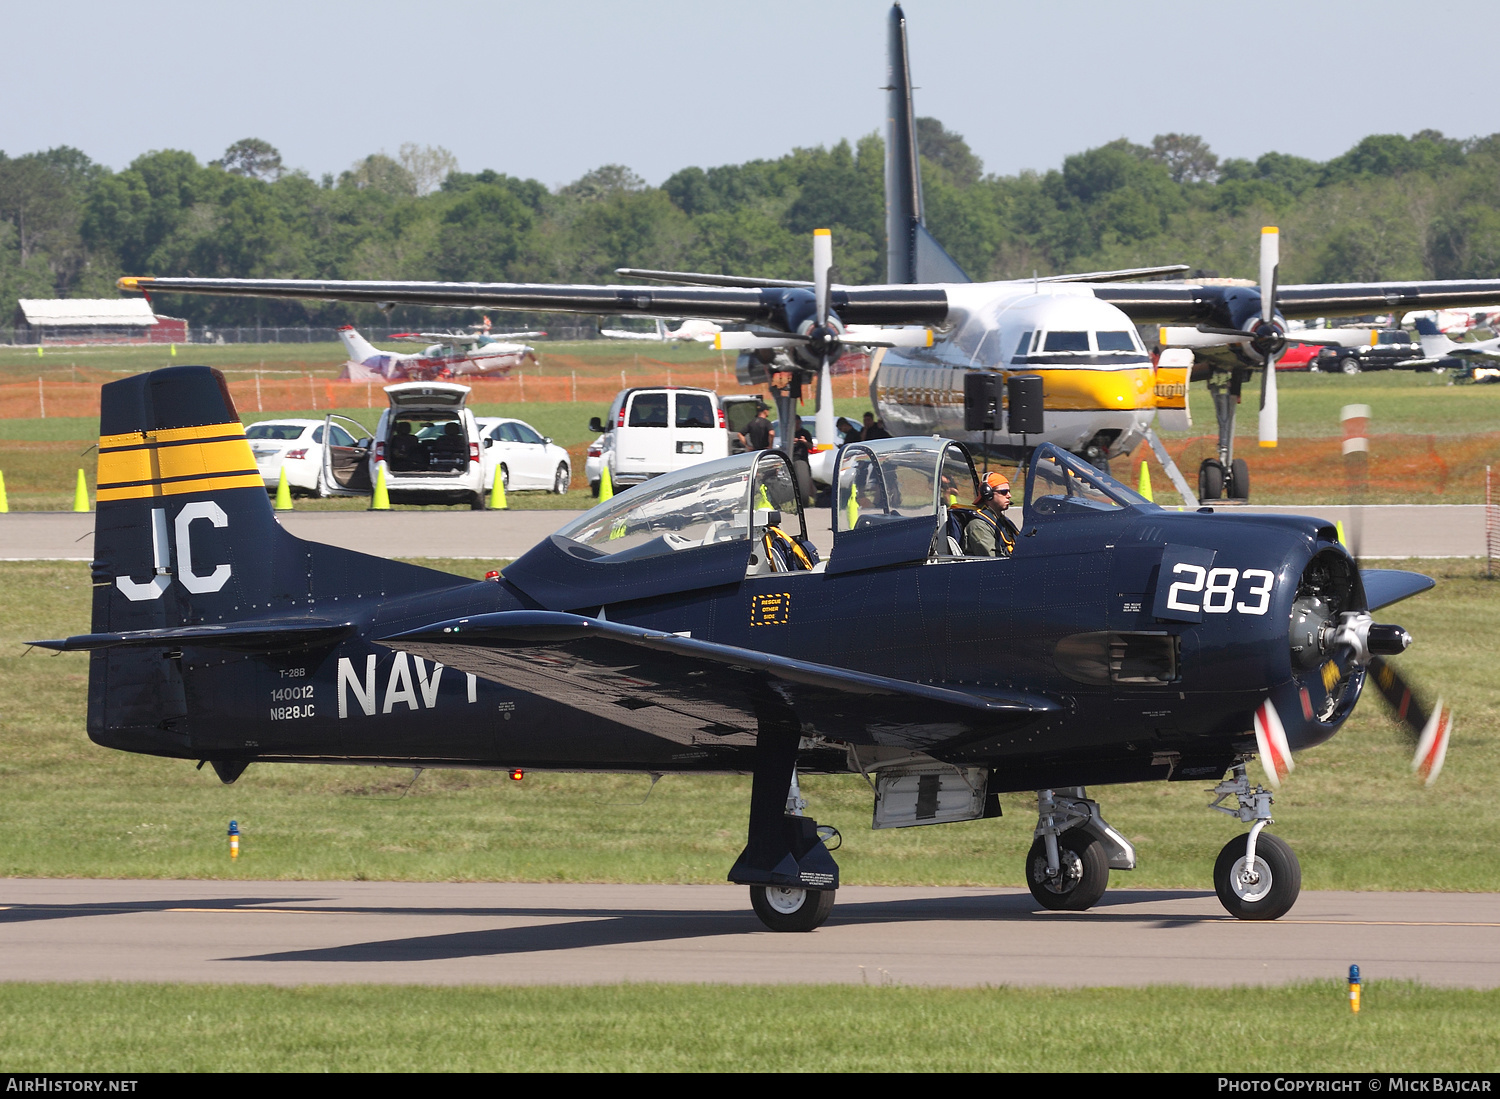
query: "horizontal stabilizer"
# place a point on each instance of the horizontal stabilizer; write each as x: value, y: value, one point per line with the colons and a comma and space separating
x: 1386, y: 586
x: 656, y: 681
x: 262, y: 636
x: 1119, y: 276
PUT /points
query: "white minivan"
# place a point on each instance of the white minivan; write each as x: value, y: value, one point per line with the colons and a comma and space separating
x: 658, y: 430
x: 429, y: 442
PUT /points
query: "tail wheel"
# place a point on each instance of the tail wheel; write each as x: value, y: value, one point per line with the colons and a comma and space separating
x: 1265, y: 891
x: 1083, y: 872
x: 790, y: 908
x: 562, y: 480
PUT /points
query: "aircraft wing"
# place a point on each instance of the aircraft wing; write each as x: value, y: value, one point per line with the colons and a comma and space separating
x: 1179, y: 303
x: 678, y: 687
x: 879, y: 305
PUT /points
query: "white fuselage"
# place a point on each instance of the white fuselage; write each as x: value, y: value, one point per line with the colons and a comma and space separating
x: 1098, y: 380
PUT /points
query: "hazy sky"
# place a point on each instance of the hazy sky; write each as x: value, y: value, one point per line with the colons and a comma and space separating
x: 553, y: 88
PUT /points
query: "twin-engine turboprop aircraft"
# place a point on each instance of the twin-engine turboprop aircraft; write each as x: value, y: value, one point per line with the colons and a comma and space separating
x: 687, y: 626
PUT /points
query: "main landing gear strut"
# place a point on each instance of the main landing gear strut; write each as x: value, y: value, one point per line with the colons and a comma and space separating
x: 1226, y: 475
x: 786, y: 864
x: 1256, y: 876
x: 1069, y: 862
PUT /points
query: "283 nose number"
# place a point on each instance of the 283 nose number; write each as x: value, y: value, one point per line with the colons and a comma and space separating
x: 1216, y: 590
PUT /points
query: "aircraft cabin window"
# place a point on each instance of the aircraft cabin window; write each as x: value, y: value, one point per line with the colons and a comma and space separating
x: 1067, y: 341
x: 1024, y: 346
x: 1115, y: 341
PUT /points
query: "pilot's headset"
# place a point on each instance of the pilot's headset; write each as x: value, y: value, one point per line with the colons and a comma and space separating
x: 989, y: 487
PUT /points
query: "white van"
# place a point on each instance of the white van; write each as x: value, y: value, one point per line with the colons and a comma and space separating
x: 429, y: 442
x: 658, y: 430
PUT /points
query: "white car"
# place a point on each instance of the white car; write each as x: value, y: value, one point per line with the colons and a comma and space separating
x: 297, y: 445
x: 525, y: 459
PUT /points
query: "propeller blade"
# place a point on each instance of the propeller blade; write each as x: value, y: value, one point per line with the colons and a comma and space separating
x: 1427, y: 731
x: 822, y: 262
x: 1270, y: 259
x: 1268, y: 402
x: 753, y: 341
x: 1202, y: 336
x: 823, y: 423
x: 1270, y: 739
x: 822, y: 258
x: 866, y: 336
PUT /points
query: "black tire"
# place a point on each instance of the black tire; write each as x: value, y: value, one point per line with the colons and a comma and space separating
x: 781, y: 909
x: 1349, y: 364
x: 478, y: 502
x: 561, y: 479
x: 1084, y: 877
x: 803, y: 474
x: 1265, y: 900
x: 1210, y: 480
x: 504, y: 475
x: 1239, y: 480
x: 594, y: 489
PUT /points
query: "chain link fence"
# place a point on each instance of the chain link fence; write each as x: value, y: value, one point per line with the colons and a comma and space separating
x: 28, y: 336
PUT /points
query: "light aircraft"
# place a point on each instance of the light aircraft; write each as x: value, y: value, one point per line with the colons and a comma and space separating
x: 1436, y: 347
x: 453, y: 354
x: 673, y: 629
x: 700, y: 330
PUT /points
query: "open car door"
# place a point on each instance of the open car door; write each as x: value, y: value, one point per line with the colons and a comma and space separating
x: 346, y: 457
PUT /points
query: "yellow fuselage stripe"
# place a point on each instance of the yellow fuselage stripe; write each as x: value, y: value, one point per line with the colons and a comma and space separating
x: 1063, y: 389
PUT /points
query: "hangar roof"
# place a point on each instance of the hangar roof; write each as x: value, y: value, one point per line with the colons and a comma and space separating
x: 132, y: 312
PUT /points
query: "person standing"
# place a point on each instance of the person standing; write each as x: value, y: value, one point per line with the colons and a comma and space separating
x: 758, y: 432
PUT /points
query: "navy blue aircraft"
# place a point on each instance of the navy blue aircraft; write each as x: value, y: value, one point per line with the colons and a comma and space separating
x: 689, y: 626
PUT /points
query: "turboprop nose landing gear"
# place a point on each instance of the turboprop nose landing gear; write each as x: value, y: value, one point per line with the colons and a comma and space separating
x: 1257, y: 877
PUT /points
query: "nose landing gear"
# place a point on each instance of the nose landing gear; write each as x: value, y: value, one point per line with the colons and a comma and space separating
x: 1257, y: 877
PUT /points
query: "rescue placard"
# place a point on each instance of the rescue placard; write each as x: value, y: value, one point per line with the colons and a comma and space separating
x: 772, y: 609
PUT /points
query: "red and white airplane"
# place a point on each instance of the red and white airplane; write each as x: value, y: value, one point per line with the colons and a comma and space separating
x: 453, y: 355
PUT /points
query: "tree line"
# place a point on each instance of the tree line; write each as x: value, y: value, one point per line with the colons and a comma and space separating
x: 1392, y: 207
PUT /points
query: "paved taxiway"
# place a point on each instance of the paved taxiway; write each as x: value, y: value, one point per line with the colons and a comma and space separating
x: 409, y: 933
x: 1382, y: 530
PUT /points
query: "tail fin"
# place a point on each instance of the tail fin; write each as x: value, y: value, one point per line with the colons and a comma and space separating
x: 912, y: 254
x: 359, y: 348
x: 187, y: 552
x: 1434, y: 344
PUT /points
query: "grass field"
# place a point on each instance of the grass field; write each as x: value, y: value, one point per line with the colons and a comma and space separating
x: 1304, y: 1027
x: 68, y: 808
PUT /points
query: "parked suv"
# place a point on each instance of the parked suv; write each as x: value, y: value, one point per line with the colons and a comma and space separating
x: 658, y: 430
x: 1388, y: 349
x: 429, y: 442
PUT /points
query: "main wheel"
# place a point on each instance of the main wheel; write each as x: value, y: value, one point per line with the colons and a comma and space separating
x: 789, y: 908
x: 1210, y: 479
x: 1271, y: 892
x: 561, y: 481
x: 1239, y: 480
x: 1083, y: 877
x: 1349, y: 364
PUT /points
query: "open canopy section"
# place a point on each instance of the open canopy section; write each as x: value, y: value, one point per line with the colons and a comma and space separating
x: 891, y: 497
x: 696, y: 527
x: 1059, y: 483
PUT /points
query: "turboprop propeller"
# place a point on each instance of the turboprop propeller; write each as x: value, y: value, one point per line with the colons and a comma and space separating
x: 820, y: 335
x: 1263, y: 337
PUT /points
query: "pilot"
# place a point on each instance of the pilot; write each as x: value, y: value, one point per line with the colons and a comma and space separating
x: 989, y: 533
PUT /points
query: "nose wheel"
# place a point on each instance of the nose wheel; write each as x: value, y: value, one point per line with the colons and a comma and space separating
x: 1262, y: 887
